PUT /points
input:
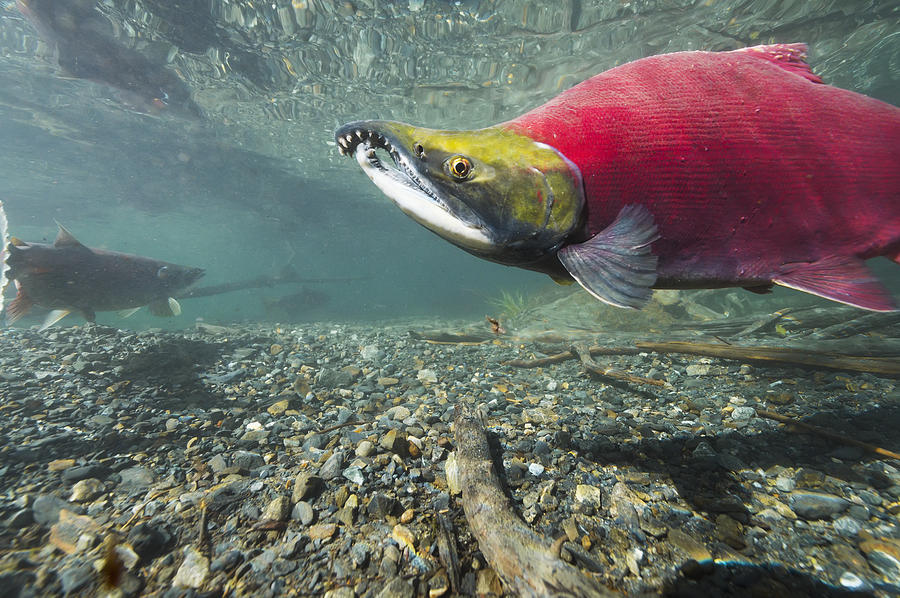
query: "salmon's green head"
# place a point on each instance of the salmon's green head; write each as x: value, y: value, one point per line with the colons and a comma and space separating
x: 493, y: 192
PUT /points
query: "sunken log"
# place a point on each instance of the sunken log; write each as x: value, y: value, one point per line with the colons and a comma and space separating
x: 525, y: 561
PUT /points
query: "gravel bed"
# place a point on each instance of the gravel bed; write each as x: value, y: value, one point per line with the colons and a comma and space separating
x: 318, y: 460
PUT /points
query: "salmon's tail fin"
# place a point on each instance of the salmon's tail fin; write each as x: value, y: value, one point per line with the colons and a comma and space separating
x: 4, y: 239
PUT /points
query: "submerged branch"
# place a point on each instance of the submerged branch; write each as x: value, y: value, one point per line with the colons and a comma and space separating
x: 523, y: 559
x: 765, y: 355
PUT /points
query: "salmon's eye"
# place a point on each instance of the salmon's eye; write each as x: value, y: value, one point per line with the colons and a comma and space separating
x: 459, y: 167
x: 163, y: 272
x: 418, y: 150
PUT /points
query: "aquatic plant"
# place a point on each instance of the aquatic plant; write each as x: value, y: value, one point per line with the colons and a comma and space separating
x: 511, y: 304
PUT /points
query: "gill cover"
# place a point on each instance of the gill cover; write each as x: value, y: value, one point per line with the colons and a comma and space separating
x: 493, y: 192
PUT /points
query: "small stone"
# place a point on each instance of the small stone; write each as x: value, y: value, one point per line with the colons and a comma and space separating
x: 451, y: 470
x: 227, y: 561
x: 817, y: 505
x: 692, y: 547
x: 279, y: 407
x: 46, y: 508
x: 382, y: 505
x: 342, y: 592
x: 217, y: 463
x: 585, y: 493
x: 247, y: 460
x: 86, y: 490
x: 66, y: 534
x: 847, y: 527
x: 321, y: 531
x: 21, y: 518
x: 332, y: 467
x: 397, y: 588
x: 426, y: 376
x: 365, y: 448
x: 75, y: 578
x: 148, y: 540
x: 884, y: 557
x: 852, y: 582
x: 743, y: 413
x: 60, y: 464
x: 398, y: 413
x: 193, y: 570
x: 535, y: 469
x: 394, y: 441
x: 387, y: 381
x: 275, y: 349
x: 278, y: 509
x: 359, y: 555
x: 407, y: 516
x: 135, y: 479
x: 785, y: 484
x: 355, y: 475
x: 730, y: 531
x: 303, y: 512
x: 306, y: 485
x: 697, y: 369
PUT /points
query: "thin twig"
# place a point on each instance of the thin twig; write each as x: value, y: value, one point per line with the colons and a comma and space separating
x: 594, y: 368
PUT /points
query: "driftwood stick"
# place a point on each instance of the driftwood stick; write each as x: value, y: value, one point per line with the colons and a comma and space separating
x: 521, y: 558
x: 842, y: 438
x: 566, y: 355
x: 595, y: 368
x: 447, y: 550
x: 874, y: 365
x: 765, y: 355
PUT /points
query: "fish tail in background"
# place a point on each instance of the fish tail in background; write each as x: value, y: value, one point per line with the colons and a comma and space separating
x: 4, y: 239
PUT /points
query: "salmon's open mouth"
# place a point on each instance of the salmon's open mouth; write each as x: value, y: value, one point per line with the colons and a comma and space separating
x: 409, y: 188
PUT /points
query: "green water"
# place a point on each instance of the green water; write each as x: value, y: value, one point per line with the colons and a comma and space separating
x: 257, y: 183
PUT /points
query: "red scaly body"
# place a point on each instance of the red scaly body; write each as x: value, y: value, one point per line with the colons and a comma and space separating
x: 745, y: 159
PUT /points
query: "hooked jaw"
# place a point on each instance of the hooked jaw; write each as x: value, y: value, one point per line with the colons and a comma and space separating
x: 417, y: 197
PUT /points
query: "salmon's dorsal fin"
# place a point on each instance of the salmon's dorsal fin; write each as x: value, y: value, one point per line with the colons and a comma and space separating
x: 65, y: 239
x: 790, y: 57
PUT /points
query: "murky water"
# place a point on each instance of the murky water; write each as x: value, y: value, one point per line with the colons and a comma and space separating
x: 255, y: 183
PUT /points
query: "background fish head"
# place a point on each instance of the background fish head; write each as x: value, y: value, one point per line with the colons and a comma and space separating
x: 493, y: 192
x: 174, y: 278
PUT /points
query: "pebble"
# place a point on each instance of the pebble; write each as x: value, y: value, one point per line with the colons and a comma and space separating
x: 396, y: 588
x: 321, y: 531
x: 135, y: 479
x: 355, y: 475
x: 278, y: 509
x: 365, y: 449
x: 193, y: 570
x: 817, y: 505
x: 303, y: 512
x: 332, y: 467
x: 846, y: 526
x: 86, y: 490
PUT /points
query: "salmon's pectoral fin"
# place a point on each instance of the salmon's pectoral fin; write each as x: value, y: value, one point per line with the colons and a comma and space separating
x: 19, y: 306
x: 845, y: 279
x: 165, y: 308
x: 52, y: 318
x: 127, y: 313
x: 616, y: 265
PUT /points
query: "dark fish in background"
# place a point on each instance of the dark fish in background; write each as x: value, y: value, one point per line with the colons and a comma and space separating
x: 684, y: 170
x: 68, y: 276
x: 86, y: 50
x: 296, y: 304
x: 4, y: 236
